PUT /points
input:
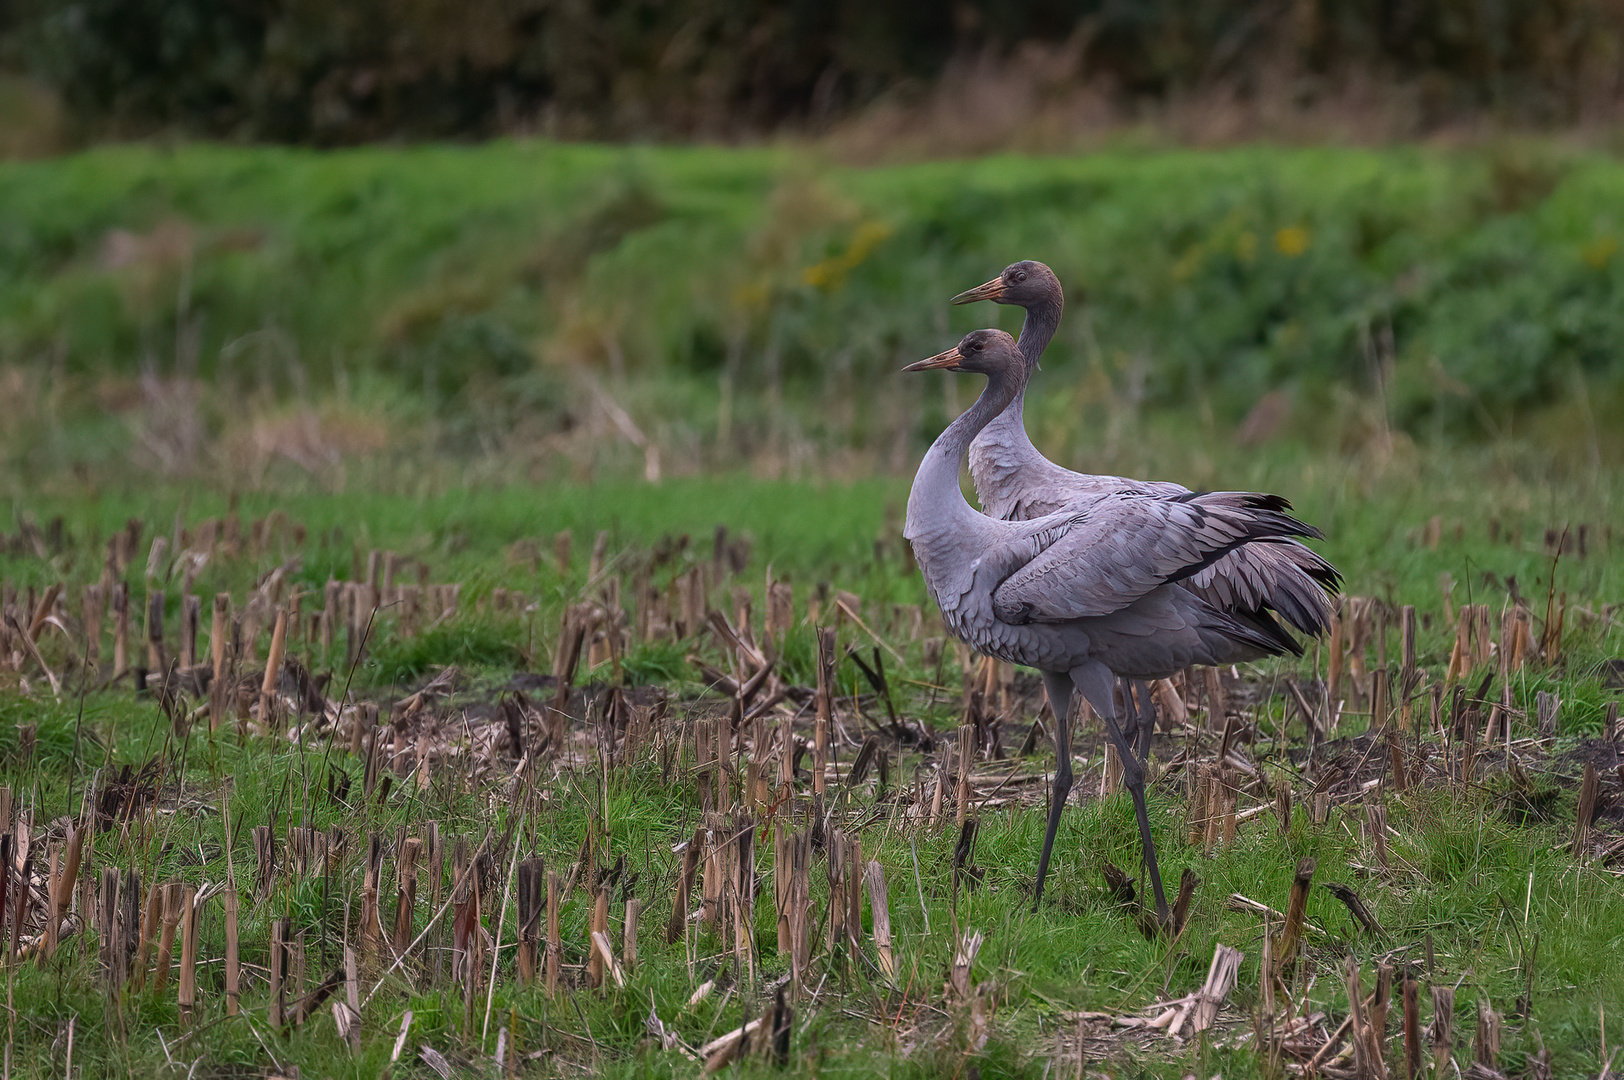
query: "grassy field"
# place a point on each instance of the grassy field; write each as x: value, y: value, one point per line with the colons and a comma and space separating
x: 1474, y: 887
x: 562, y: 309
x: 443, y: 408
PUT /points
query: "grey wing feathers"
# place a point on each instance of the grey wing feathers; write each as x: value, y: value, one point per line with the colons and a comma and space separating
x: 1123, y: 546
x: 1278, y: 574
x: 1253, y: 582
x: 1071, y: 490
x: 1037, y: 536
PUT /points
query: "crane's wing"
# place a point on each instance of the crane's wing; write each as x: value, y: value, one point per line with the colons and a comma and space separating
x: 1120, y: 547
x: 1040, y: 491
x: 1279, y: 575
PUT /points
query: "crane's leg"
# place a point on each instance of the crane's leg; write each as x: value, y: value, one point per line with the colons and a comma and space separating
x: 1139, y: 715
x: 1130, y: 712
x: 1093, y: 681
x: 1147, y: 718
x: 1059, y: 690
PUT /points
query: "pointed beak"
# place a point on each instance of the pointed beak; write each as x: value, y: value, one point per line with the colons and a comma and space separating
x: 949, y: 360
x: 992, y: 290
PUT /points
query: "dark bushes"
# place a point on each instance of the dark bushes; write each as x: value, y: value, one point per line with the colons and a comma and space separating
x: 340, y: 72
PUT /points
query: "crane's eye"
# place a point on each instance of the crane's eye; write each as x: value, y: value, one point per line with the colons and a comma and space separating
x: 1021, y: 276
x: 975, y: 346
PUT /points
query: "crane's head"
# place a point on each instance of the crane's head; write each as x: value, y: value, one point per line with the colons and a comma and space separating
x: 982, y: 351
x: 1024, y: 284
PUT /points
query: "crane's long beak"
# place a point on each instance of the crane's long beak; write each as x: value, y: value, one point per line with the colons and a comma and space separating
x: 992, y: 290
x: 949, y: 360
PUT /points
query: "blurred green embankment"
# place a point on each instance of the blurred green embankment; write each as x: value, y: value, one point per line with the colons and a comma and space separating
x: 563, y: 310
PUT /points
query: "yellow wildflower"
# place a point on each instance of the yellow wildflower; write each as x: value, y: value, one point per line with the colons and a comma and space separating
x: 1188, y: 263
x: 751, y: 295
x: 869, y: 235
x: 831, y: 272
x: 820, y: 274
x: 1291, y: 241
x: 1599, y: 252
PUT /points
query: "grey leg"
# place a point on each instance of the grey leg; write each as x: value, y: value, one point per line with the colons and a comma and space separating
x: 1094, y: 682
x: 1139, y: 715
x: 1147, y: 718
x: 1059, y: 690
x: 1129, y: 716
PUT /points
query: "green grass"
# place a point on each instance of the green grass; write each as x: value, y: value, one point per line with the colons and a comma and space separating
x: 1467, y: 895
x: 1482, y: 881
x: 456, y: 293
x: 825, y: 532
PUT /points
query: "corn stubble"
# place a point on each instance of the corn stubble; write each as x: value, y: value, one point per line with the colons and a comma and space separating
x: 585, y: 806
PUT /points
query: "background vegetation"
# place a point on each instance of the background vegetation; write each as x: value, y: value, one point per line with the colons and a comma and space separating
x: 317, y: 350
x: 339, y: 73
x: 563, y: 307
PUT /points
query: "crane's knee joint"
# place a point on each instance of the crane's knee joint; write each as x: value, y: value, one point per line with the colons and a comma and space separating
x: 1062, y: 776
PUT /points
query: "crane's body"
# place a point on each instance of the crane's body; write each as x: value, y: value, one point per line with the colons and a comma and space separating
x: 1088, y: 594
x: 1015, y: 482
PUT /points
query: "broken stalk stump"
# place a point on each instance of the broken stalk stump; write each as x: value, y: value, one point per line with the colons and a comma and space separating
x: 600, y: 925
x: 1486, y: 1045
x: 964, y: 958
x: 149, y: 930
x: 825, y: 711
x: 531, y: 883
x: 276, y: 1011
x: 1291, y: 934
x: 107, y: 917
x: 172, y: 898
x: 879, y: 908
x: 1204, y: 1003
x: 273, y: 666
x: 186, y: 990
x: 555, y: 943
x: 1589, y: 787
x: 406, y: 891
x: 1412, y: 1030
x: 676, y: 928
x: 628, y: 941
x: 1181, y: 906
x: 1443, y: 1027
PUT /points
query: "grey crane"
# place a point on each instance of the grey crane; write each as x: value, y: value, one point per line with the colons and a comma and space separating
x: 1086, y: 595
x: 1014, y: 481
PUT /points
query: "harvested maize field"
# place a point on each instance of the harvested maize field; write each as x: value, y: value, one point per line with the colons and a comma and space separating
x: 279, y: 799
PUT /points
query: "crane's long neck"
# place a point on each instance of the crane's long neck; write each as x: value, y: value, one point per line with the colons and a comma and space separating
x: 1003, y: 451
x: 936, y: 501
x: 1042, y: 320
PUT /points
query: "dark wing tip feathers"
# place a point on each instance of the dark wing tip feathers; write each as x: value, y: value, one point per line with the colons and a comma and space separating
x: 1259, y: 630
x: 1261, y: 526
x: 1278, y: 503
x: 1269, y: 523
x: 1328, y: 576
x: 1252, y: 500
x: 1277, y: 634
x: 1283, y: 524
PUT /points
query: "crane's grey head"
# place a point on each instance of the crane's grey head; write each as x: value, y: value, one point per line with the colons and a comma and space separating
x: 1024, y: 284
x: 982, y: 351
